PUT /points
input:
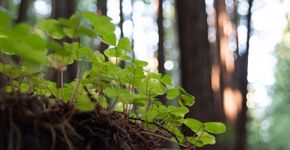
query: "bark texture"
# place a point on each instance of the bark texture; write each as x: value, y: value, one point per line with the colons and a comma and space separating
x: 195, y: 56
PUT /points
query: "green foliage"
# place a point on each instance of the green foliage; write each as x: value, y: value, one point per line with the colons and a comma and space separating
x: 269, y: 131
x: 105, y: 83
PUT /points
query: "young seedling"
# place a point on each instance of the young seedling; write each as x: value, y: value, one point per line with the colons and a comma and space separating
x: 104, y: 83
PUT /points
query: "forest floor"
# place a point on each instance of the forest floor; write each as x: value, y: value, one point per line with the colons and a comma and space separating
x: 40, y: 123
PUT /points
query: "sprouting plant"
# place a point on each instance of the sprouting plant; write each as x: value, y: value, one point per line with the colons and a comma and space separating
x: 130, y: 89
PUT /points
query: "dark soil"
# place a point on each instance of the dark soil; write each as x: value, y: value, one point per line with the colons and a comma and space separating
x: 29, y: 122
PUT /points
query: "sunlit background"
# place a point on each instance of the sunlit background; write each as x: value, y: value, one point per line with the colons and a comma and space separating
x: 268, y: 24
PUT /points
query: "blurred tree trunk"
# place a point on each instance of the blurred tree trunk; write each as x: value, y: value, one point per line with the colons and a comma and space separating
x: 195, y: 57
x: 63, y: 9
x: 160, y: 18
x: 122, y: 63
x: 243, y: 71
x: 3, y: 3
x: 102, y: 10
x: 161, y: 54
x: 101, y: 7
x: 233, y: 77
x: 121, y: 17
x: 22, y: 11
x: 228, y: 78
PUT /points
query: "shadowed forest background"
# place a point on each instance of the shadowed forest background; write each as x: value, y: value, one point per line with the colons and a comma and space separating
x: 212, y: 48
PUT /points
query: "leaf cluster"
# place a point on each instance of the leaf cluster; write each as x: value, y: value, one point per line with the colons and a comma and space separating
x: 130, y: 89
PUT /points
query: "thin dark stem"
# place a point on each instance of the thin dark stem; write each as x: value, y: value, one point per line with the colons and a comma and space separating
x: 157, y: 125
x: 61, y: 84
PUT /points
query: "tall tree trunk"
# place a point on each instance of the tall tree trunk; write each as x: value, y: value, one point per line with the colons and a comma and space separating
x: 233, y: 76
x: 160, y: 18
x: 102, y: 10
x: 227, y: 61
x: 22, y: 11
x: 161, y: 53
x: 3, y: 3
x: 195, y: 56
x: 101, y: 7
x: 121, y: 17
x: 243, y: 67
x: 230, y: 92
x: 62, y: 8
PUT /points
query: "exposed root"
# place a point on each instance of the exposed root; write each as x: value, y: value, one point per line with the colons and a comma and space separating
x: 55, y: 125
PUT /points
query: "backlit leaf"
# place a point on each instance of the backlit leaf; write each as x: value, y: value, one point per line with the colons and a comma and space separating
x: 172, y: 93
x: 109, y: 39
x: 215, y: 127
x: 193, y: 124
x: 166, y: 79
x: 124, y: 43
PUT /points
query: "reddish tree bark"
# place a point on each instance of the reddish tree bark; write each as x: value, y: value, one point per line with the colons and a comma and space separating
x: 233, y: 76
x: 195, y: 56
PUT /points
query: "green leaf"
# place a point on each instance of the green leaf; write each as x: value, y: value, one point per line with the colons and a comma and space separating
x: 115, y: 92
x: 94, y: 19
x: 140, y: 63
x: 109, y: 39
x: 215, y: 127
x: 22, y: 48
x: 83, y: 103
x: 86, y: 54
x: 186, y: 100
x: 166, y: 79
x: 114, y: 52
x: 5, y: 20
x: 178, y: 111
x: 74, y: 21
x: 155, y: 76
x: 127, y: 98
x: 126, y: 57
x: 100, y: 56
x: 52, y: 28
x: 195, y: 141
x: 155, y: 86
x: 172, y: 93
x: 202, y: 139
x: 102, y: 25
x: 207, y: 139
x: 70, y: 32
x: 139, y: 101
x: 124, y: 43
x: 64, y: 22
x: 193, y: 124
x: 86, y: 31
x: 58, y: 49
x: 177, y: 132
x: 21, y: 30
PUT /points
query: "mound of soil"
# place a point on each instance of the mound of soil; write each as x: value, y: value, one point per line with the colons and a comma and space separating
x: 29, y: 122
